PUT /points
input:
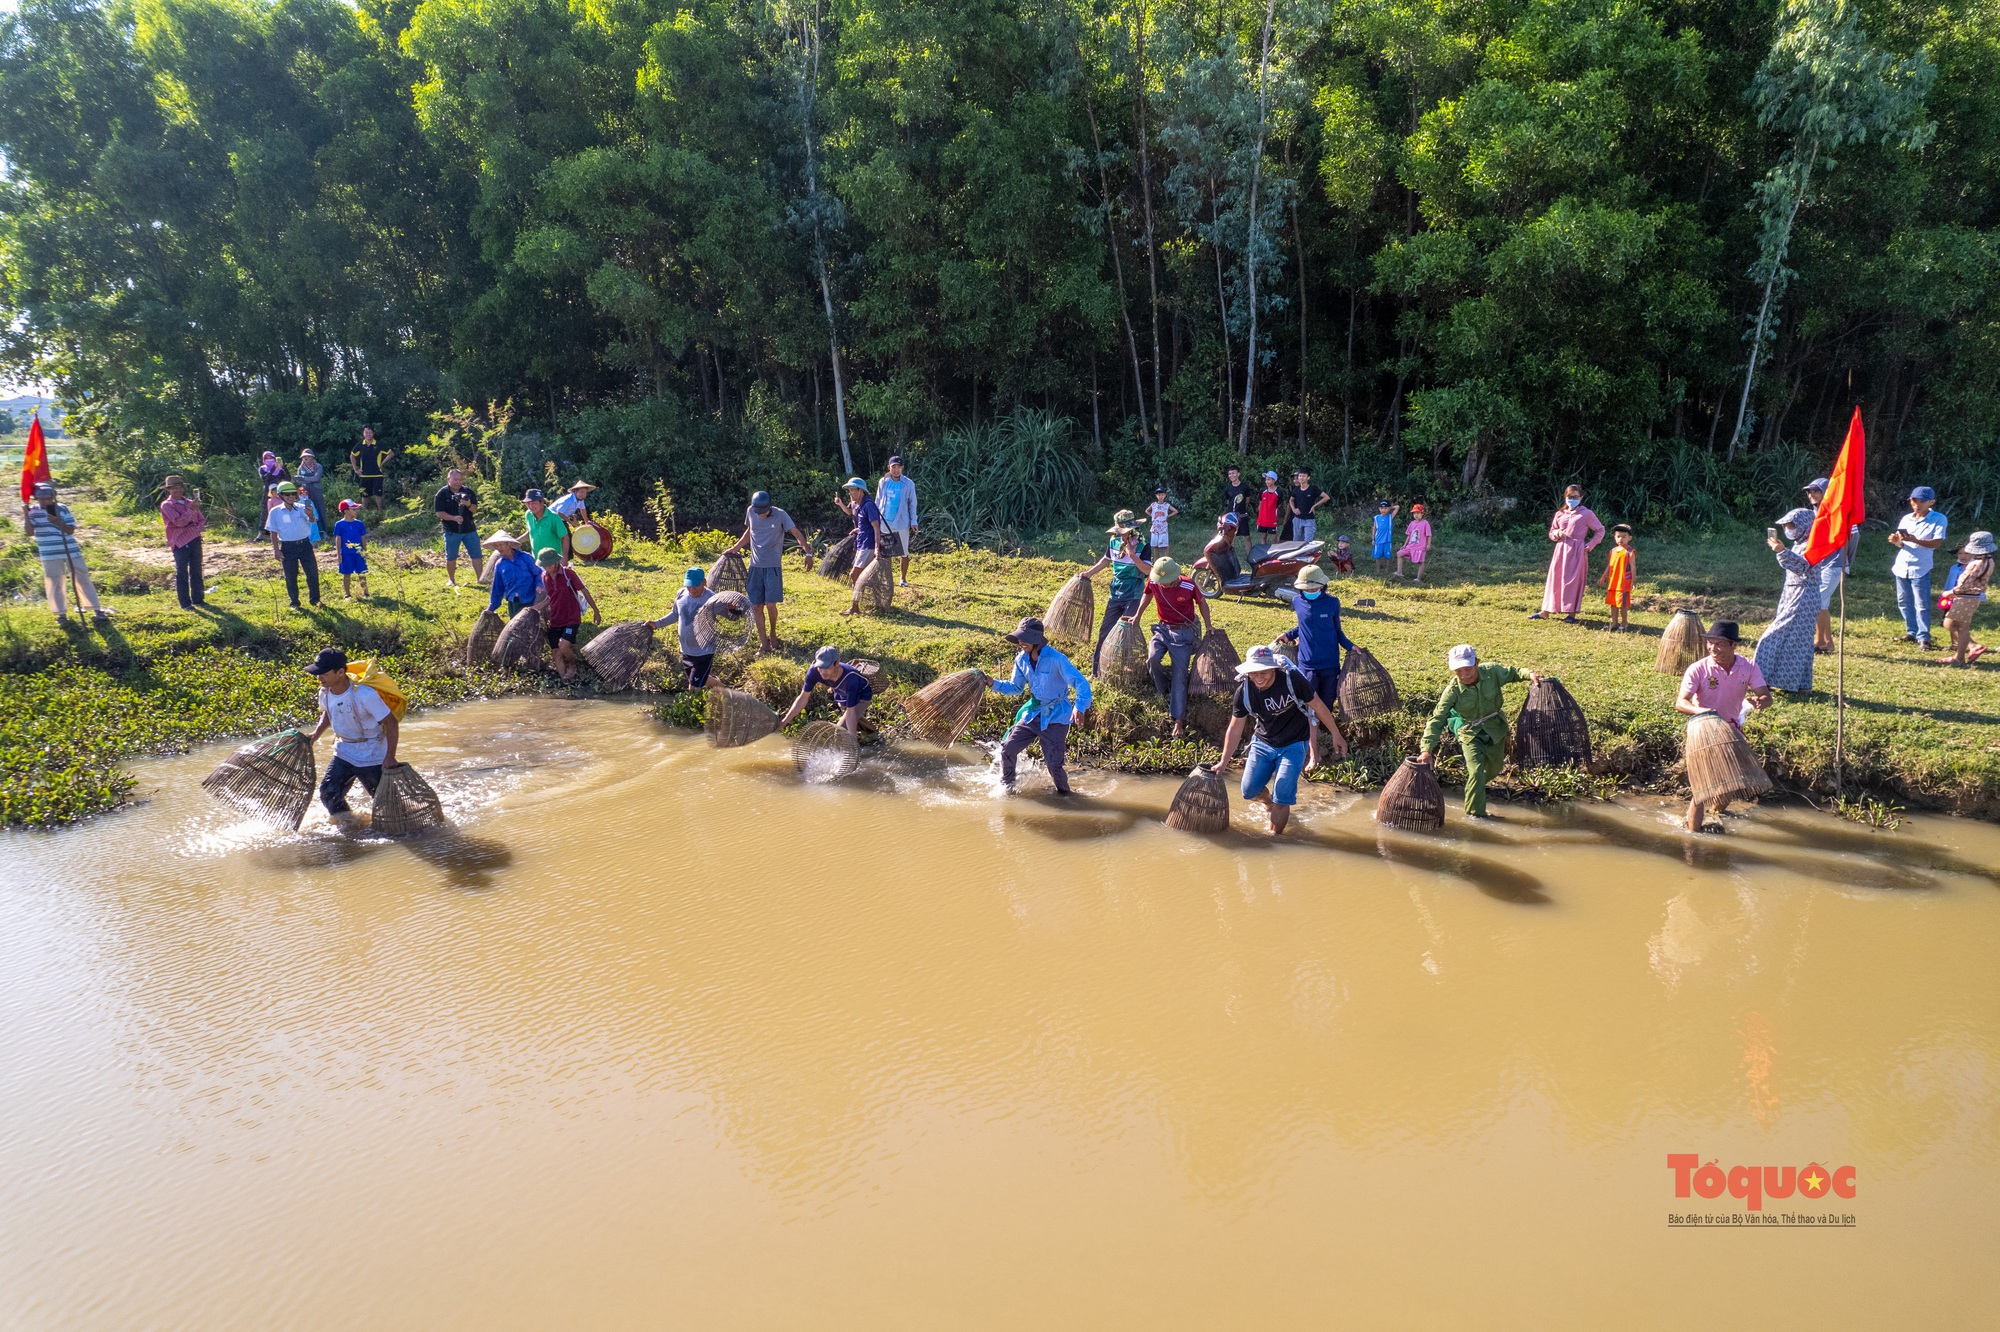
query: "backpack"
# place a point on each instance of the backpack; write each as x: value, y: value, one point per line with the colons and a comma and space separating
x: 366, y: 672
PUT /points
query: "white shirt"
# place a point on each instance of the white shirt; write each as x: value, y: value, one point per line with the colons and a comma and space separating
x: 356, y: 715
x: 293, y: 524
x: 1915, y: 561
x: 1158, y: 511
x: 569, y: 506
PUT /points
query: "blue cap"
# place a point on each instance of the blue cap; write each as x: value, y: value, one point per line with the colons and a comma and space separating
x: 694, y: 577
x: 826, y: 656
x: 1818, y: 483
x: 761, y: 501
x: 1924, y: 493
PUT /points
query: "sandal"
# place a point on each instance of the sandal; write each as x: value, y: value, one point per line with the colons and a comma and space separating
x: 1977, y: 651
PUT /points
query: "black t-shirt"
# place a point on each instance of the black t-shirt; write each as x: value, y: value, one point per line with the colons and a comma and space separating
x: 369, y: 459
x: 459, y: 502
x: 1302, y: 502
x: 1236, y: 499
x: 1281, y: 715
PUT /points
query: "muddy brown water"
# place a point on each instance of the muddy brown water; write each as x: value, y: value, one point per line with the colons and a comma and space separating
x: 665, y: 1037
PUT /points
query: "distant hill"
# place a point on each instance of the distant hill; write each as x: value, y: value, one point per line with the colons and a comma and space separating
x: 23, y: 407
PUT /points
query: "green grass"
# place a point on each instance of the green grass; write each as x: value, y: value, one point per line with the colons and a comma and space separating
x: 75, y: 703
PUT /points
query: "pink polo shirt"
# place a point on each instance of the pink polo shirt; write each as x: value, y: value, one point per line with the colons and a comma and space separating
x: 1724, y: 691
x: 184, y: 522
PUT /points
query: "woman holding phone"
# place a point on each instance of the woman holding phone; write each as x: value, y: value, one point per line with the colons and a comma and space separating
x: 1785, y: 651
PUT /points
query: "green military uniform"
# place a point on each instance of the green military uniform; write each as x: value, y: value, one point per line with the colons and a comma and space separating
x: 1476, y: 713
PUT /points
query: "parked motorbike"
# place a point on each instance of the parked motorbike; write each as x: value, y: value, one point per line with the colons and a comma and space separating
x: 1269, y: 566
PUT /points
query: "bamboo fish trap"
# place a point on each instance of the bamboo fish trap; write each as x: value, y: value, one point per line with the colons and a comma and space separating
x: 485, y: 632
x: 1214, y: 665
x: 876, y: 590
x: 269, y: 779
x: 823, y: 752
x: 405, y: 804
x: 1121, y: 658
x: 727, y: 574
x: 839, y: 556
x: 942, y: 710
x: 619, y: 651
x: 736, y: 718
x: 1681, y: 644
x: 1720, y: 763
x: 1202, y: 803
x: 520, y: 644
x: 1411, y: 799
x: 1550, y: 730
x: 1072, y: 614
x: 720, y: 621
x: 1365, y: 687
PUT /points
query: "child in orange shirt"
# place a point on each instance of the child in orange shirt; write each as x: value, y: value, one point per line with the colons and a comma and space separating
x: 1617, y: 580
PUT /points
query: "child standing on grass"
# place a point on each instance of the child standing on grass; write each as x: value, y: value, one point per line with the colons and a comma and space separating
x: 1617, y: 580
x: 352, y: 536
x: 1159, y: 511
x: 1416, y: 542
x: 1385, y: 534
x: 1267, y: 510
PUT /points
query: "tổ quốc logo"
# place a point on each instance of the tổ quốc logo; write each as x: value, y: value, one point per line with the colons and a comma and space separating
x: 1754, y: 1186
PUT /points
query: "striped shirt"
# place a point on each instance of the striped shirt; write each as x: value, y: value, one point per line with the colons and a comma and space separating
x: 51, y: 542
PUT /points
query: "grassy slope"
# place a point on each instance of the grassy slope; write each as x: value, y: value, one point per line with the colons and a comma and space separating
x: 72, y: 705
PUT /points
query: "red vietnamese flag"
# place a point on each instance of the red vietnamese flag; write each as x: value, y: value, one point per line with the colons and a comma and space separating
x: 1843, y: 507
x: 35, y: 462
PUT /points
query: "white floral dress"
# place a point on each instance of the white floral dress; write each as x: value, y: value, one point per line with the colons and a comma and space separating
x: 1785, y: 652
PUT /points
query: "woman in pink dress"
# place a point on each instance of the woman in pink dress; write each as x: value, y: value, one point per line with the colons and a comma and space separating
x: 1576, y: 532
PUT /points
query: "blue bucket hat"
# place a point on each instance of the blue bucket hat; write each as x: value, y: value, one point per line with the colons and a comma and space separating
x: 1817, y: 485
x: 1924, y: 493
x: 695, y: 577
x: 856, y: 483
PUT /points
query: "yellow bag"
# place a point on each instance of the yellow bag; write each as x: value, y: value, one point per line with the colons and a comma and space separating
x: 368, y: 673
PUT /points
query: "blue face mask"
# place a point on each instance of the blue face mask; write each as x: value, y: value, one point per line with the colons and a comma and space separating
x: 1571, y: 501
x: 1311, y: 594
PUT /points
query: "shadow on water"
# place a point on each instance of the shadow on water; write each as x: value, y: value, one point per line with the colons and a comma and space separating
x: 466, y: 861
x: 1828, y: 835
x: 1501, y: 882
x: 1719, y: 854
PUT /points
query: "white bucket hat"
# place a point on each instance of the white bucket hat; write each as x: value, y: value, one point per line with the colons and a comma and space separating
x: 1261, y: 658
x: 1461, y: 656
x: 499, y: 537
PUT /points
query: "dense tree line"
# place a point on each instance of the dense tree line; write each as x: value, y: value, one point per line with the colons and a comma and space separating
x: 1659, y: 246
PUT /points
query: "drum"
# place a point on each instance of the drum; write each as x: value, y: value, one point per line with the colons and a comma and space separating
x: 589, y: 541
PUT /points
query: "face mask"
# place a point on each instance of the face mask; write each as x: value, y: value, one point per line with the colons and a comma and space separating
x: 1791, y: 533
x: 1311, y: 594
x: 1571, y: 501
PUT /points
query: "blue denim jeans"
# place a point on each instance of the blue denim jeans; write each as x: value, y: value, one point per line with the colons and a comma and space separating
x: 1263, y: 761
x: 1913, y: 598
x: 1173, y: 645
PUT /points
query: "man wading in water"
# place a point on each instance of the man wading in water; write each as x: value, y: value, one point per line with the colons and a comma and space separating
x: 1278, y: 706
x: 1472, y: 705
x: 1047, y: 676
x: 364, y: 733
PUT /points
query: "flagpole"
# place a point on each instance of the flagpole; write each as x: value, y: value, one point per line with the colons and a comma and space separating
x: 1840, y: 697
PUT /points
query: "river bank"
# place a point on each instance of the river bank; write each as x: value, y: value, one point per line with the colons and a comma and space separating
x: 75, y: 704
